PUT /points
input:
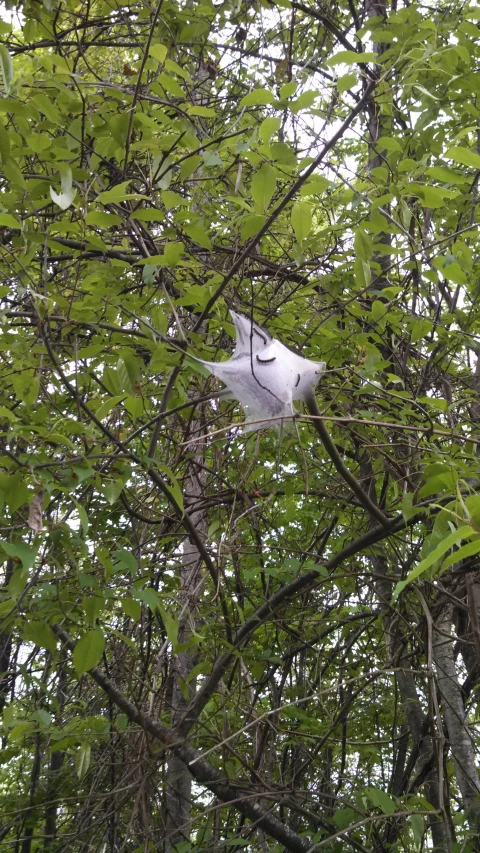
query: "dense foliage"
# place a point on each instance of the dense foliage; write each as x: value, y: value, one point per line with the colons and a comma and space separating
x: 212, y: 638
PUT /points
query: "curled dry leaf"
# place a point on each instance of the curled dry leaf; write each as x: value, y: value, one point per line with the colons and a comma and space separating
x: 35, y: 518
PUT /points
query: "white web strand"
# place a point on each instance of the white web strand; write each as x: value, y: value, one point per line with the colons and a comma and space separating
x: 263, y: 375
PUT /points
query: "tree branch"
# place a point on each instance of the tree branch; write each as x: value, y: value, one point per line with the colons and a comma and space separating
x: 342, y: 469
x: 201, y: 770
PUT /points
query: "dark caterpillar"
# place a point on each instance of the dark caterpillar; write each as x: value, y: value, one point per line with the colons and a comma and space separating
x: 256, y: 332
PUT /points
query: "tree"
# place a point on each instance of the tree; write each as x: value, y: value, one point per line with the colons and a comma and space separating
x: 213, y: 638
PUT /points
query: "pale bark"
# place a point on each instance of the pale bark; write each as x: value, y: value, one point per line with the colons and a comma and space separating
x: 459, y: 736
x: 425, y: 764
x: 178, y: 795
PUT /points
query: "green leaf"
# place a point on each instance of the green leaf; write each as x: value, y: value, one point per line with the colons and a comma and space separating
x: 92, y: 607
x: 420, y: 329
x: 344, y: 817
x: 263, y: 186
x: 10, y: 416
x: 105, y: 408
x: 454, y: 272
x: 448, y: 542
x: 45, y: 105
x: 149, y: 214
x: 171, y: 86
x: 149, y: 596
x: 381, y: 800
x: 464, y: 156
x: 6, y: 68
x: 170, y: 65
x: 173, y: 487
x: 12, y: 172
x: 197, y: 110
x: 82, y: 472
x: 316, y: 185
x: 9, y: 221
x: 288, y: 89
x: 388, y: 143
x: 190, y: 166
x: 102, y: 220
x: 304, y: 101
x: 42, y: 717
x: 408, y: 509
x: 468, y: 550
x: 40, y: 634
x: 363, y: 245
x: 112, y: 490
x: 88, y: 651
x: 301, y: 219
x: 171, y: 626
x: 251, y: 226
x: 418, y: 829
x: 83, y: 759
x: 18, y: 550
x: 346, y: 82
x: 4, y: 143
x: 449, y: 176
x: 132, y: 608
x: 268, y: 127
x: 173, y: 253
x: 118, y: 194
x: 124, y: 559
x: 17, y: 583
x: 347, y: 57
x: 283, y: 153
x: 20, y: 731
x: 433, y: 197
x: 257, y: 98
x: 158, y: 51
x: 199, y: 235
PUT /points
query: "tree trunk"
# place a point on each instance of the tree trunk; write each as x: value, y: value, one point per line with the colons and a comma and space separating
x: 459, y: 736
x: 178, y: 779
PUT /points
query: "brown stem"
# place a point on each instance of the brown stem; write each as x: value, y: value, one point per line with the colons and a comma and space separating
x: 342, y: 469
x: 240, y: 798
